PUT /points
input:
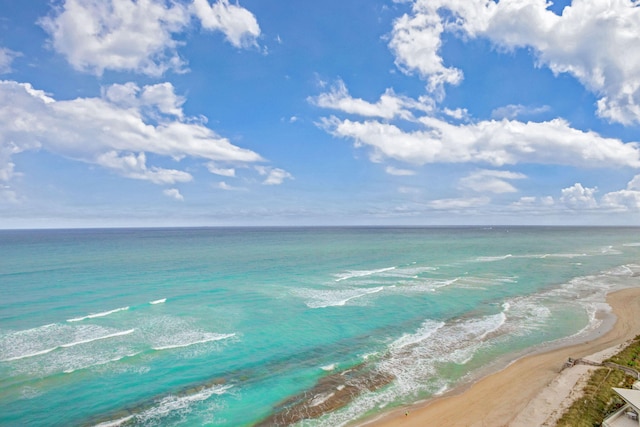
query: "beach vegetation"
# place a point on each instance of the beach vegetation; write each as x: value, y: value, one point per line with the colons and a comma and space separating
x: 599, y: 400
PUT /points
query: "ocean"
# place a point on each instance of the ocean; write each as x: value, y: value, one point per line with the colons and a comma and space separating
x: 284, y: 326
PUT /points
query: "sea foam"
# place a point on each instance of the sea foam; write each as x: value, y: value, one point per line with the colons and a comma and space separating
x: 361, y: 273
x: 68, y: 345
x: 336, y: 298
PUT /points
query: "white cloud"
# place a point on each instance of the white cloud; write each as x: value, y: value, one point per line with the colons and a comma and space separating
x: 457, y: 204
x: 6, y: 59
x: 530, y: 202
x: 115, y: 132
x: 634, y: 184
x: 173, y: 193
x: 594, y: 41
x: 399, y: 172
x: 155, y: 100
x: 226, y: 187
x: 492, y: 142
x: 216, y: 170
x: 416, y: 43
x: 389, y: 105
x: 135, y: 166
x: 458, y: 113
x: 624, y: 200
x: 492, y: 181
x: 237, y: 23
x: 579, y: 197
x: 138, y: 36
x: 121, y: 35
x: 274, y: 176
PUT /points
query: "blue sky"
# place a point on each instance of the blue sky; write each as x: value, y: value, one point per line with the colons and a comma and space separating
x: 424, y: 112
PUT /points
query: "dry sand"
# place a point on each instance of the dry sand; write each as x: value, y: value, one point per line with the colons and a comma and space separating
x: 529, y: 392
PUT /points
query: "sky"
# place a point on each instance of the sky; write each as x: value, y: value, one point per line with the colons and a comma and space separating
x: 128, y: 113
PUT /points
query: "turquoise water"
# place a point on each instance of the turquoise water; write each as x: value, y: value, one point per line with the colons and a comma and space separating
x: 232, y: 327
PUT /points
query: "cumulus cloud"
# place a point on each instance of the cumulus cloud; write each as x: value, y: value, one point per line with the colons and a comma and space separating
x: 238, y: 24
x: 416, y: 44
x: 634, y: 184
x: 579, y: 197
x: 174, y: 193
x: 624, y: 200
x: 490, y: 181
x: 596, y: 42
x: 274, y: 176
x: 138, y: 36
x: 115, y: 131
x: 492, y: 142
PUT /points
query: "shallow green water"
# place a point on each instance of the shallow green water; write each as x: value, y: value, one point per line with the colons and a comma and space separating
x: 220, y: 326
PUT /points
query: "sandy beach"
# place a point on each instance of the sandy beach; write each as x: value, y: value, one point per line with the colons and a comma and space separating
x: 529, y: 392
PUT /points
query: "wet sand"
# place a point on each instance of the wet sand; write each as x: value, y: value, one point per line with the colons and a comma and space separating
x: 515, y: 396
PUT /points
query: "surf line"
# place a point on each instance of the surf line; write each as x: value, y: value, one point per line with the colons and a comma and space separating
x: 93, y: 316
x: 71, y: 344
x: 191, y: 393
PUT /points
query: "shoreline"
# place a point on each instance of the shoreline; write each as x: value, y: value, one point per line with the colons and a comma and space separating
x: 524, y: 382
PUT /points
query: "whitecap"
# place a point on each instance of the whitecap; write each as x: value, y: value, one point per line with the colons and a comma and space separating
x: 320, y: 399
x: 361, y: 273
x: 171, y: 403
x: 66, y: 345
x: 208, y: 338
x: 335, y: 298
x: 158, y: 301
x: 493, y: 258
x: 115, y: 359
x: 93, y: 316
x: 115, y: 423
x: 115, y: 334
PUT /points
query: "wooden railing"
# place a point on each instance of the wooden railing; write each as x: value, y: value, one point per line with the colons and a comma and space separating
x: 629, y: 371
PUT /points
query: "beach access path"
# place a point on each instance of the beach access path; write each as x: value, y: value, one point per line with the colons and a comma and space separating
x: 527, y: 391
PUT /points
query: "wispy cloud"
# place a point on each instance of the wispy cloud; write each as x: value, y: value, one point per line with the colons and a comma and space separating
x: 513, y: 111
x: 490, y: 181
x: 399, y: 172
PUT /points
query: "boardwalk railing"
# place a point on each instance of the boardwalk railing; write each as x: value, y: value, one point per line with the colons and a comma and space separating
x: 629, y: 371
